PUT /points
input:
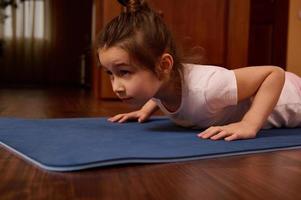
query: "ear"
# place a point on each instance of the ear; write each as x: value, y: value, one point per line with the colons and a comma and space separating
x: 165, y: 65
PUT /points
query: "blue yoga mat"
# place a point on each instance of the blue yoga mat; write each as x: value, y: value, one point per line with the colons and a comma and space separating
x: 81, y: 143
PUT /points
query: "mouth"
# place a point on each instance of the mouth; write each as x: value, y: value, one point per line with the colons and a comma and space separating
x: 133, y: 102
x: 127, y: 99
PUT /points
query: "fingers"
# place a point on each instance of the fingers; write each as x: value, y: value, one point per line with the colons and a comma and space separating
x: 124, y: 119
x: 220, y: 135
x: 217, y: 133
x: 236, y: 136
x: 232, y: 137
x: 208, y: 133
x: 116, y: 118
x: 120, y: 118
x: 143, y: 118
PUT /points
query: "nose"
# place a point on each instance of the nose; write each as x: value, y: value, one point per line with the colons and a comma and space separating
x: 118, y: 87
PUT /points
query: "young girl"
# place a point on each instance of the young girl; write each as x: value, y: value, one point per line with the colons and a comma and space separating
x: 137, y: 51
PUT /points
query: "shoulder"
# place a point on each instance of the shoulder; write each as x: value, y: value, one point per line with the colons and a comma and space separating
x: 217, y: 85
x: 206, y: 75
x: 202, y: 70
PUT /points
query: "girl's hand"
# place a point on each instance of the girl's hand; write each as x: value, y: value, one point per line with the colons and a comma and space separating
x: 139, y: 115
x: 234, y: 131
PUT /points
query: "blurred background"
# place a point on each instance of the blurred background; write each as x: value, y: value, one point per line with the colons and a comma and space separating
x: 45, y: 42
x: 50, y: 43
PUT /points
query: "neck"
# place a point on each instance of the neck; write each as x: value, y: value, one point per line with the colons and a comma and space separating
x: 170, y: 93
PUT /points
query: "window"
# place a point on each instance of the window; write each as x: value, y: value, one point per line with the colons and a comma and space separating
x: 25, y: 21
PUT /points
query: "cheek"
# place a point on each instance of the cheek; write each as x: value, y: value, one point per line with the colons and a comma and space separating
x: 151, y: 88
x: 146, y: 88
x: 138, y: 89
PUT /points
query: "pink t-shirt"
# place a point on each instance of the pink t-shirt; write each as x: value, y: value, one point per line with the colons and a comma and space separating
x: 209, y: 98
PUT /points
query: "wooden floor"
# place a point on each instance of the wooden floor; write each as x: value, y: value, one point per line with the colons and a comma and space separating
x: 275, y: 175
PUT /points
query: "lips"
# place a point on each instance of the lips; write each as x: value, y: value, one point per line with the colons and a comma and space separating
x: 126, y: 99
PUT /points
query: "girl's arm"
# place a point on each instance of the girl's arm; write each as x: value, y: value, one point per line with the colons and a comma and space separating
x: 141, y: 115
x: 265, y: 84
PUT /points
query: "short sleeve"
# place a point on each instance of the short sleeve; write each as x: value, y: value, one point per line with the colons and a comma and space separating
x: 221, y: 89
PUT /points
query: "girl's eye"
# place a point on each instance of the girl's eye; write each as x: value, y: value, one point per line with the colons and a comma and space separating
x: 124, y: 72
x: 109, y: 72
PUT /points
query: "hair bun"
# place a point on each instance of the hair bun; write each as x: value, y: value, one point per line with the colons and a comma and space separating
x: 123, y: 2
x: 133, y: 6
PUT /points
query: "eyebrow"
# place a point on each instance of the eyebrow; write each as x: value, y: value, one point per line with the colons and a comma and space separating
x: 120, y: 64
x: 117, y: 65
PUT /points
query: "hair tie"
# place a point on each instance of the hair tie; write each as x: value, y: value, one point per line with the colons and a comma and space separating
x: 133, y: 6
x: 123, y: 2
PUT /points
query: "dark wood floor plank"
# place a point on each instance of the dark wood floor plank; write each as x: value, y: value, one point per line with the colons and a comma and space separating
x: 274, y: 175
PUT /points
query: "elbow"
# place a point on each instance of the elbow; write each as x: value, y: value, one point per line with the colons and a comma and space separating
x: 279, y: 73
x: 279, y: 70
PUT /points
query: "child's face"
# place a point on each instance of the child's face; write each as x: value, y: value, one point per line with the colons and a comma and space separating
x: 131, y: 84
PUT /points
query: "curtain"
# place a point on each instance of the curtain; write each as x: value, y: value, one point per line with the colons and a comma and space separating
x: 27, y: 39
x: 46, y: 42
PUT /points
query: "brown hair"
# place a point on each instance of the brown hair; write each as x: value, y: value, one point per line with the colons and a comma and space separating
x: 141, y: 32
